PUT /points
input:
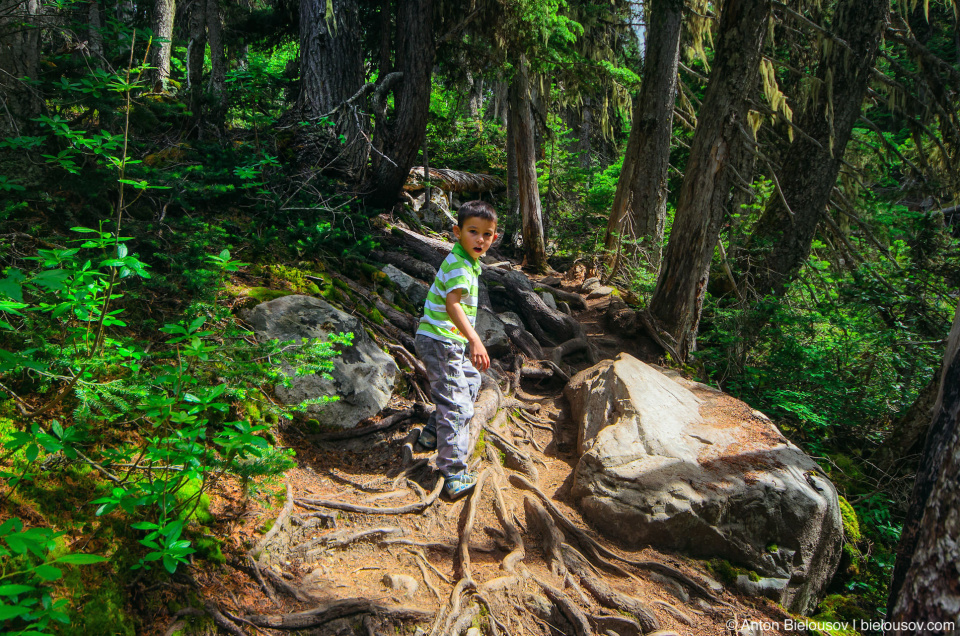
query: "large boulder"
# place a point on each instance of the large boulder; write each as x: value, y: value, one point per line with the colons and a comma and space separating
x: 676, y: 464
x: 363, y: 375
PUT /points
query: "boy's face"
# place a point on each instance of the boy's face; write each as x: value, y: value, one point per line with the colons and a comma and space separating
x: 476, y: 236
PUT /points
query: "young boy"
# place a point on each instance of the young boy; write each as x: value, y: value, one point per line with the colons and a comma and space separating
x: 450, y: 347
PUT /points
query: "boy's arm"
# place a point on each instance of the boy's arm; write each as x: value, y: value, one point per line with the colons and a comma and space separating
x: 478, y: 353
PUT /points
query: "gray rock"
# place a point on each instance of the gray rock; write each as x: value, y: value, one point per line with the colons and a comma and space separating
x: 589, y: 285
x: 553, y: 281
x: 491, y: 332
x: 510, y: 318
x: 413, y: 289
x: 438, y: 216
x: 403, y: 583
x: 363, y: 376
x: 769, y: 587
x: 473, y: 631
x: 549, y: 300
x: 599, y: 292
x: 672, y: 463
x: 519, y: 279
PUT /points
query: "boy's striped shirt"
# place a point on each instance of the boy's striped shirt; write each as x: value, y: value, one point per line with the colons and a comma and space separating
x: 458, y: 271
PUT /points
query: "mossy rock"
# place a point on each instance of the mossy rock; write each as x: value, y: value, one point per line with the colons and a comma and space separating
x: 851, y: 524
x: 193, y: 510
x: 265, y: 294
x: 208, y: 547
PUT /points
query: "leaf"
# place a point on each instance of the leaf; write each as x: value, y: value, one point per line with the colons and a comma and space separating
x: 48, y: 572
x: 15, y: 590
x: 80, y: 559
x: 12, y: 611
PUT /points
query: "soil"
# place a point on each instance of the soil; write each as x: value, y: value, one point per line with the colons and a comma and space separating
x: 315, y: 572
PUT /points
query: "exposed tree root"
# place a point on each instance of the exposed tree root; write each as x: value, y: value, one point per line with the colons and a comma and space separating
x: 338, y: 609
x: 539, y: 521
x: 572, y: 346
x: 593, y: 545
x: 604, y: 593
x: 351, y: 433
x: 423, y: 557
x: 468, y: 518
x: 513, y: 456
x: 408, y: 443
x: 536, y: 373
x: 573, y: 614
x: 420, y: 506
x: 342, y: 538
x: 277, y: 526
x: 504, y: 516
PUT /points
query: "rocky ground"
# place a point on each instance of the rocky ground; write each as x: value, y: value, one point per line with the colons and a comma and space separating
x: 364, y: 542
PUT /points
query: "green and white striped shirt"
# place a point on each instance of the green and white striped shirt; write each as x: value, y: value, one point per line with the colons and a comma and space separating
x: 458, y: 271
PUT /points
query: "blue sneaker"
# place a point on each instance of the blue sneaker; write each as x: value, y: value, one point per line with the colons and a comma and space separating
x: 459, y: 484
x: 428, y: 439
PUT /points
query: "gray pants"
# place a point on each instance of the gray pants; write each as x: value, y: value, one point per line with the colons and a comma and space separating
x: 454, y: 386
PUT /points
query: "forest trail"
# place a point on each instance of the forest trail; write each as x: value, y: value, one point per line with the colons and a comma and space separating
x: 365, y: 544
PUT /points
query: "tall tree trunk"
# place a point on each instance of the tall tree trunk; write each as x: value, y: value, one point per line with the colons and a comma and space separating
x: 643, y: 188
x: 513, y: 193
x: 678, y: 297
x: 399, y: 137
x: 910, y: 431
x: 196, y: 44
x: 531, y: 214
x: 924, y: 586
x: 331, y: 72
x: 781, y: 240
x: 586, y: 129
x: 19, y: 59
x: 94, y: 33
x: 163, y: 13
x: 385, y: 63
x: 218, y: 72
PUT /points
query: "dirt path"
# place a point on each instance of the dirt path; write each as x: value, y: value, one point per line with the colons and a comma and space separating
x: 504, y: 559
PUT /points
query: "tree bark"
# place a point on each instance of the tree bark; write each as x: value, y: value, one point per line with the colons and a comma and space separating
x: 528, y: 194
x: 398, y: 138
x: 513, y: 194
x: 678, y: 297
x: 586, y: 129
x: 94, y: 33
x: 910, y: 431
x: 643, y: 187
x: 924, y: 586
x: 331, y: 72
x: 19, y: 58
x: 196, y: 44
x: 218, y: 75
x: 163, y: 12
x: 781, y: 240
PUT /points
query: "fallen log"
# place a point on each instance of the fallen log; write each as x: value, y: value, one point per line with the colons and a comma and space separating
x: 453, y: 180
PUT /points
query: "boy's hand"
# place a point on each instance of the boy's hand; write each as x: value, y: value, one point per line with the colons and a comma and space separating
x: 478, y: 355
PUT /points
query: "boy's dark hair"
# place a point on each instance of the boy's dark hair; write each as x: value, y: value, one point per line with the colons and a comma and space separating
x: 476, y: 209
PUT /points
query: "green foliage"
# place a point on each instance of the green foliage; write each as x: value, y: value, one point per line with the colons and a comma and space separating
x: 851, y: 525
x: 30, y: 571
